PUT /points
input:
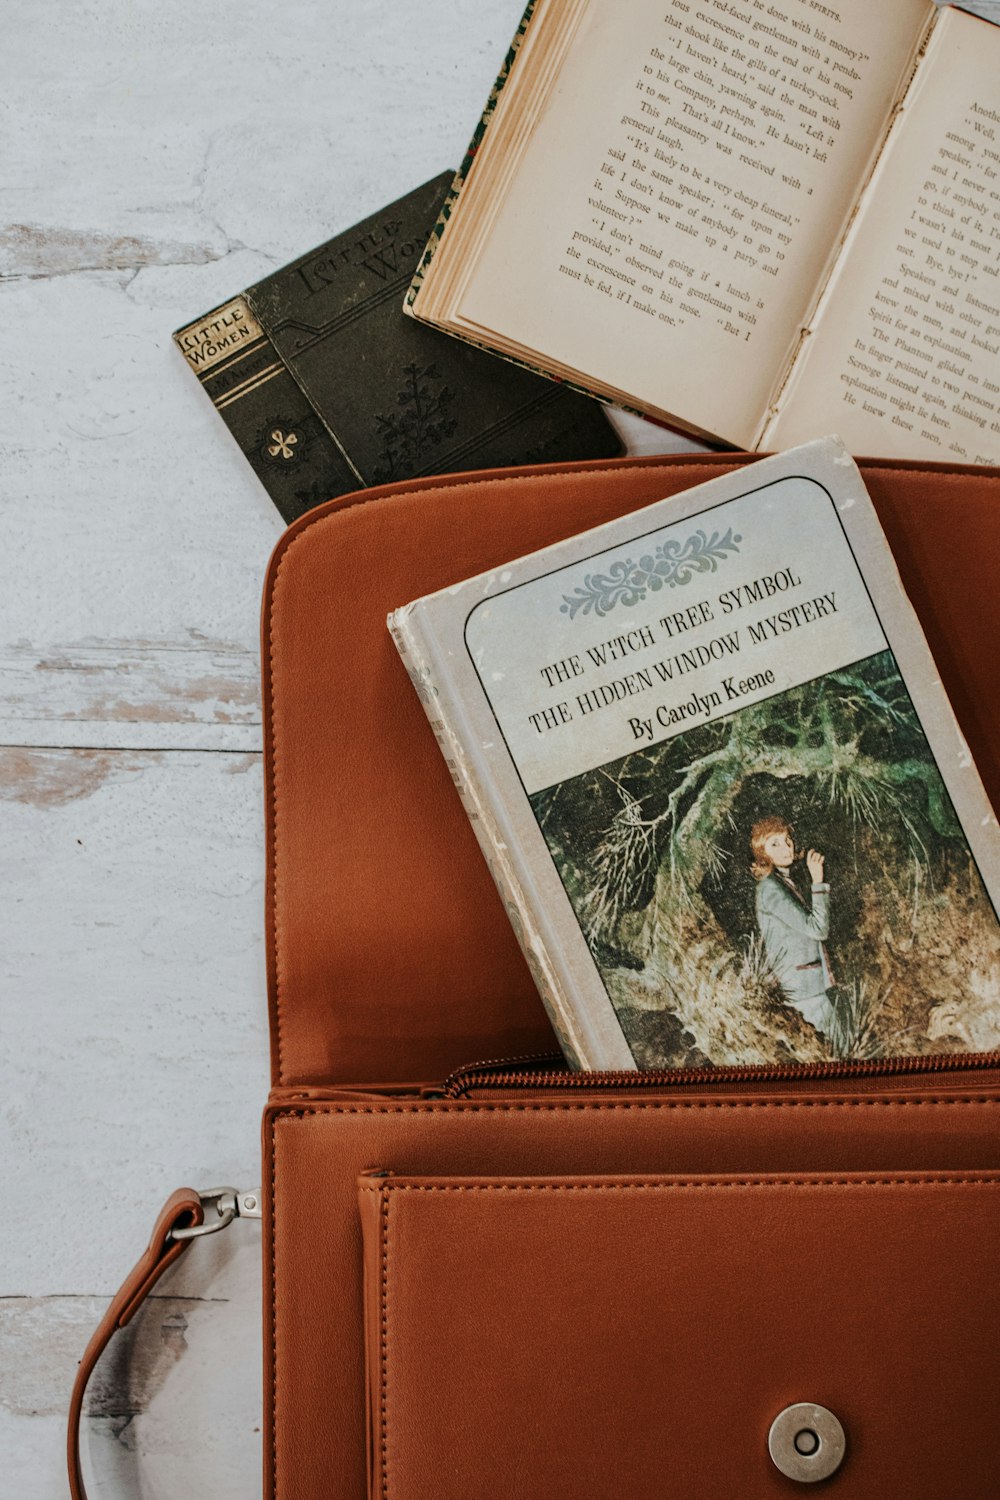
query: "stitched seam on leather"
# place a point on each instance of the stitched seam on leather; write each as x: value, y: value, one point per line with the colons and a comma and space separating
x: 386, y: 1189
x: 689, y: 1184
x: 884, y: 468
x: 275, y: 923
x: 681, y: 460
x: 300, y: 1113
x: 287, y: 1116
x: 274, y: 1318
x: 383, y: 1415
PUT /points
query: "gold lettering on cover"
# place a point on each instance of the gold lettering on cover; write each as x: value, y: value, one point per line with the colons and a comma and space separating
x: 225, y: 332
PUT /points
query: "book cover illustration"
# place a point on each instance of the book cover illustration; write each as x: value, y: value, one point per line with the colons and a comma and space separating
x: 720, y: 783
x: 328, y: 387
x: 787, y: 882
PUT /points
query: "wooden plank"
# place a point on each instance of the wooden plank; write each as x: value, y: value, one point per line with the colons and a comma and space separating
x: 157, y: 163
x: 175, y: 1403
x: 134, y: 523
x: 135, y: 1035
x: 132, y: 694
x: 135, y: 1058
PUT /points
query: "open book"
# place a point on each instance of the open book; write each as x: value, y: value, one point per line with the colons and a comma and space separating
x: 754, y: 221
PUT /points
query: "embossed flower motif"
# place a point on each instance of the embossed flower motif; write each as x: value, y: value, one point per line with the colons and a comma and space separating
x: 646, y: 575
x: 672, y: 565
x: 282, y: 443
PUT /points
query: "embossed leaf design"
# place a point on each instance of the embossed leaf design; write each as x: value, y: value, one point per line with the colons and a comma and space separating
x: 420, y: 424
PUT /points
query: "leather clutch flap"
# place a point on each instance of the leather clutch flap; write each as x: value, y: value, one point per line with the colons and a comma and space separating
x: 642, y: 1336
x: 378, y: 896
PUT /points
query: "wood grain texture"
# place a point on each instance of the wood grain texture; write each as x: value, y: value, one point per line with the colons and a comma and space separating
x: 157, y: 160
x: 135, y: 693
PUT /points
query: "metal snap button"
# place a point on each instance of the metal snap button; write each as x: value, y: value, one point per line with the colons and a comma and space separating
x: 806, y: 1442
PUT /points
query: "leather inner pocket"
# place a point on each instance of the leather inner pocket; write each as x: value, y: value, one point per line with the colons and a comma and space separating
x: 619, y: 1336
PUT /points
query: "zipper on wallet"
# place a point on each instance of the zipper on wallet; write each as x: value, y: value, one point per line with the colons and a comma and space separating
x: 502, y: 1076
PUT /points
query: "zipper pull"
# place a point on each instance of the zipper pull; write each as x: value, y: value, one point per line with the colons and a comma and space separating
x: 460, y: 1078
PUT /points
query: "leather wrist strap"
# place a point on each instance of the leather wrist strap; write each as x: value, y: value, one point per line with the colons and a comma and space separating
x: 181, y: 1219
x: 182, y: 1210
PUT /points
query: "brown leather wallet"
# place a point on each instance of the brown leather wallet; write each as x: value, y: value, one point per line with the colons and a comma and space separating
x: 507, y: 1280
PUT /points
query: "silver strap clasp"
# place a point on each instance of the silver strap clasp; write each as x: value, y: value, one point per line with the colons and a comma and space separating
x: 228, y: 1204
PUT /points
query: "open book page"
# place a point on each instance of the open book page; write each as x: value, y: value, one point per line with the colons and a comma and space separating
x: 905, y: 357
x: 682, y: 192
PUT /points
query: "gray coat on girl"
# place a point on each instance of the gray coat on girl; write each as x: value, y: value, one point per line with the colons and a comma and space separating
x: 794, y: 934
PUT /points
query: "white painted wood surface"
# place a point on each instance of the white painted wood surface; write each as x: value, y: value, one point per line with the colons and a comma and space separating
x: 156, y: 160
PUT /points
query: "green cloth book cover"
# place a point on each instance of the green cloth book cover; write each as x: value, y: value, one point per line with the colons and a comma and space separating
x: 328, y: 388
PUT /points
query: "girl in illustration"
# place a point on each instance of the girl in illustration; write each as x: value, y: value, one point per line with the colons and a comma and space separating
x: 793, y: 930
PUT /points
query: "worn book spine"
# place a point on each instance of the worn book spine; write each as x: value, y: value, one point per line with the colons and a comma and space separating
x: 447, y: 209
x: 241, y: 371
x: 470, y: 155
x: 419, y: 653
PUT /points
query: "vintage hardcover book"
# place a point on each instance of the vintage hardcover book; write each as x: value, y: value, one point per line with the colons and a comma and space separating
x: 327, y: 387
x: 718, y: 782
x: 752, y: 221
